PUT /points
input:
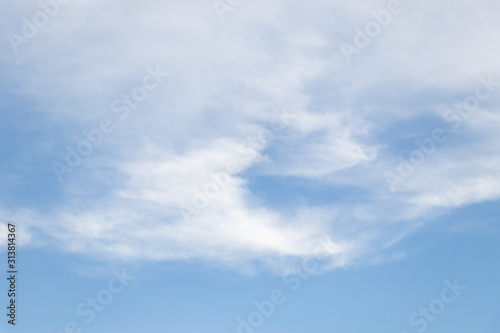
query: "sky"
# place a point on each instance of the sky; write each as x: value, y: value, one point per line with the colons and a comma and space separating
x: 251, y: 166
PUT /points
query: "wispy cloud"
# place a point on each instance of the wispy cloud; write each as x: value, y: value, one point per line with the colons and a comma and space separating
x: 225, y: 81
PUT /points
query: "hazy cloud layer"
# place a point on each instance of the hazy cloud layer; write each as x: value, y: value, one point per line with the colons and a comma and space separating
x: 135, y: 196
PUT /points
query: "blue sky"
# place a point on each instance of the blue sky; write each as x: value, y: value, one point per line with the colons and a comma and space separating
x: 214, y: 150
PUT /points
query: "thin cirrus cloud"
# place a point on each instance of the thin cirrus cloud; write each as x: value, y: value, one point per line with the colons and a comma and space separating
x: 227, y: 79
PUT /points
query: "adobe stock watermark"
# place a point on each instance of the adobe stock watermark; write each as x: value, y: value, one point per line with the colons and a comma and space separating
x: 484, y: 90
x: 407, y: 166
x: 266, y: 308
x: 92, y: 306
x: 222, y: 7
x: 427, y: 147
x: 249, y: 149
x: 425, y: 315
x: 30, y: 27
x: 371, y: 30
x: 94, y: 137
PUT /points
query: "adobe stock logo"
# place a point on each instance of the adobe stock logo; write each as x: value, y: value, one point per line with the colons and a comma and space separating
x: 428, y: 314
x: 92, y: 306
x: 372, y: 29
x: 121, y: 106
x: 407, y: 167
x: 222, y: 7
x: 264, y: 309
x: 30, y: 28
x: 204, y: 195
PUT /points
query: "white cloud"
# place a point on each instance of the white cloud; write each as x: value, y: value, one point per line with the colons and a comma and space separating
x: 226, y: 80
